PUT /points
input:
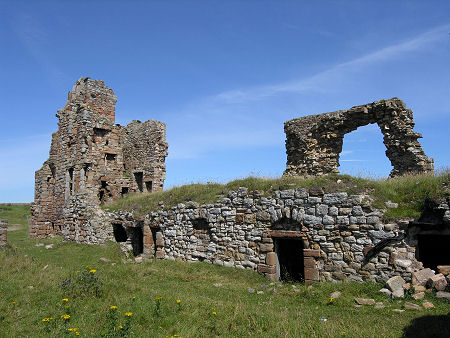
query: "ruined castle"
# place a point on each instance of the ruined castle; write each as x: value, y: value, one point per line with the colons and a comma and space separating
x: 93, y: 161
x: 297, y: 234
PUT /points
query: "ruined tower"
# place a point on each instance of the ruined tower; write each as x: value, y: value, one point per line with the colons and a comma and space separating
x: 93, y: 161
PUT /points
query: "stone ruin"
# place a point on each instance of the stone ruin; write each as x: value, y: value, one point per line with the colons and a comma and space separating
x: 314, y: 142
x: 296, y: 234
x: 93, y: 161
x: 3, y: 232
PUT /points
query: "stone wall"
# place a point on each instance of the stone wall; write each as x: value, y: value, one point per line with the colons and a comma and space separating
x: 93, y: 161
x: 313, y: 143
x: 3, y: 232
x: 336, y: 235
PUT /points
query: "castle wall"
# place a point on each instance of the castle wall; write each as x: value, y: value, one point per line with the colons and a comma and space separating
x: 336, y: 234
x: 92, y: 162
x: 314, y: 142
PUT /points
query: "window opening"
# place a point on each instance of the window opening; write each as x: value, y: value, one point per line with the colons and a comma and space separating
x: 148, y: 186
x: 139, y: 178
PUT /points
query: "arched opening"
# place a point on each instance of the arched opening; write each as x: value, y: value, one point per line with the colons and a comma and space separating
x: 364, y: 153
x: 120, y: 235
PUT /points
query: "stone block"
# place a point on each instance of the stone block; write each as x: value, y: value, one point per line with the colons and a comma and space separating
x: 421, y: 277
x: 444, y: 269
x: 266, y: 269
x: 412, y: 306
x: 437, y: 282
x: 271, y: 258
x: 311, y: 274
x: 311, y: 253
x: 266, y: 247
x: 309, y: 262
x: 443, y: 294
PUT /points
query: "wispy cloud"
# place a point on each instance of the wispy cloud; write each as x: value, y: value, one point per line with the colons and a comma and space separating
x: 36, y: 41
x: 248, y: 116
x: 316, y: 82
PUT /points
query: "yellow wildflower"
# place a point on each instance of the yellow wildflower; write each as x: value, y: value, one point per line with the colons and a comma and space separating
x: 92, y: 271
x: 128, y: 314
x: 178, y: 301
x: 45, y: 319
x: 120, y: 327
x: 113, y: 307
x: 65, y: 317
x: 331, y: 299
x: 160, y: 327
x: 77, y: 333
x: 214, y: 313
x: 65, y: 300
x: 158, y: 298
x: 133, y: 298
x: 13, y: 303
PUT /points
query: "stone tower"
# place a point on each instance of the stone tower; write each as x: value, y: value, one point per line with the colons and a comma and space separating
x: 93, y: 161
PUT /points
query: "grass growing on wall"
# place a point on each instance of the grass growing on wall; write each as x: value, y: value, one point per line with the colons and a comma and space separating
x: 408, y: 191
x: 169, y: 298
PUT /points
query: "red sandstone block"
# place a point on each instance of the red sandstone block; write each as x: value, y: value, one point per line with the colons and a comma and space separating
x: 310, y: 262
x: 263, y: 268
x: 311, y: 274
x: 311, y: 253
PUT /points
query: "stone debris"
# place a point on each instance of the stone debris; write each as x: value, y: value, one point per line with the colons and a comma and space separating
x: 421, y: 277
x: 395, y: 283
x: 391, y: 205
x: 39, y: 244
x: 45, y: 267
x: 364, y: 301
x: 93, y: 161
x: 314, y: 142
x: 218, y: 285
x: 444, y: 269
x: 251, y: 290
x: 428, y: 305
x: 49, y: 246
x: 335, y: 294
x: 420, y: 288
x: 379, y: 305
x: 398, y: 310
x: 260, y: 292
x: 386, y: 292
x: 418, y: 295
x: 412, y: 306
x: 437, y: 282
x: 443, y: 294
x: 104, y: 259
x: 138, y: 259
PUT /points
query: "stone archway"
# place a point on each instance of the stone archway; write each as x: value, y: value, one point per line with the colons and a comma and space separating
x: 314, y: 142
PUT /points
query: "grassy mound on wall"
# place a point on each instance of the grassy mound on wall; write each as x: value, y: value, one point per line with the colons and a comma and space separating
x: 410, y: 192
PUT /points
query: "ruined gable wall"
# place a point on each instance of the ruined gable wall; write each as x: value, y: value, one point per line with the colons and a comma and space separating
x: 86, y: 167
x: 313, y: 143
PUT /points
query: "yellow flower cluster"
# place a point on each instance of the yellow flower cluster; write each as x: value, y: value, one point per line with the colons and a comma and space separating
x: 65, y: 317
x: 65, y: 300
x: 158, y: 298
x: 133, y: 298
x: 128, y: 314
x: 74, y: 330
x: 92, y: 271
x: 113, y: 307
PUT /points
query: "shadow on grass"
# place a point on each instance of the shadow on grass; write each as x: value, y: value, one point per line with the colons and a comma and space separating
x: 428, y: 326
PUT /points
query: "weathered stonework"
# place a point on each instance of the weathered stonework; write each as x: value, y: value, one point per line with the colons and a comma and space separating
x: 311, y: 235
x: 314, y: 142
x: 93, y: 161
x: 3, y: 232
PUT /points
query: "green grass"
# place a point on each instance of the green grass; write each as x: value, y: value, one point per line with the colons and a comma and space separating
x: 15, y: 214
x: 410, y: 191
x: 30, y: 276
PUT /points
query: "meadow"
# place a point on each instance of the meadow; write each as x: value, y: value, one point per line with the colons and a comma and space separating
x: 93, y: 291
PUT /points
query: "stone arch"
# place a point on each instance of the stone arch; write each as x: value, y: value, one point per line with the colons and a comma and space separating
x: 314, y: 142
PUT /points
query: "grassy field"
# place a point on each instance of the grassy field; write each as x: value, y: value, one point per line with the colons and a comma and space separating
x: 410, y: 191
x: 167, y: 298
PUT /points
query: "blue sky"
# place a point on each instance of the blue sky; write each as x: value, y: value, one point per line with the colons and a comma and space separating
x: 223, y: 76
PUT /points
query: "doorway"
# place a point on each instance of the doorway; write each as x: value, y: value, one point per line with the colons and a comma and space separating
x: 291, y: 266
x: 432, y: 250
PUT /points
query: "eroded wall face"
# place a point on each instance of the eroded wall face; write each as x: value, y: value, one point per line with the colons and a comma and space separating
x: 90, y: 164
x: 314, y: 143
x: 3, y: 232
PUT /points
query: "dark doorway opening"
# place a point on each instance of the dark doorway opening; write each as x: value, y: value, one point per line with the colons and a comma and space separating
x: 291, y: 266
x: 432, y: 250
x: 124, y: 191
x: 137, y: 239
x: 119, y: 232
x: 148, y: 186
x: 139, y: 177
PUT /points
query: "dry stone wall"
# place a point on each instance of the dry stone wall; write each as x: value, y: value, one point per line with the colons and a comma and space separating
x: 93, y: 161
x: 313, y: 143
x: 318, y: 236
